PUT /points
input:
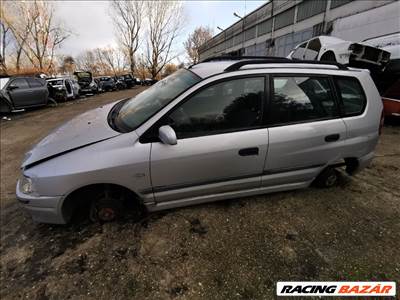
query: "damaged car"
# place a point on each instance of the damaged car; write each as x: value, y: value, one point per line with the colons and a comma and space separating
x: 328, y: 48
x: 220, y: 129
x: 22, y: 92
x: 63, y: 89
x: 86, y: 82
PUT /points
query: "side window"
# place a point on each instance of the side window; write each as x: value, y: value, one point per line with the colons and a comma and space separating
x: 298, y: 53
x: 297, y: 99
x: 313, y: 49
x: 33, y: 82
x: 226, y: 106
x: 352, y: 95
x: 20, y: 83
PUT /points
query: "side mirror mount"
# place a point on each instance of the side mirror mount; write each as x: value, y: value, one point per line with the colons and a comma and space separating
x: 12, y: 87
x: 167, y: 135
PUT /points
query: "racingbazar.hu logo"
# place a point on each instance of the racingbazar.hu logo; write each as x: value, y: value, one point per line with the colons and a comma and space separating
x: 340, y: 288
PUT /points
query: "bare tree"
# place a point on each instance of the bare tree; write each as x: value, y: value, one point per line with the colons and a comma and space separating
x: 165, y: 21
x: 36, y: 31
x: 111, y: 59
x: 67, y: 64
x: 128, y: 17
x: 199, y: 36
x: 169, y: 69
x: 15, y: 16
x: 5, y: 40
x: 88, y: 61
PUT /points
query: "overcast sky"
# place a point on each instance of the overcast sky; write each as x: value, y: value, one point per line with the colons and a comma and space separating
x: 92, y: 26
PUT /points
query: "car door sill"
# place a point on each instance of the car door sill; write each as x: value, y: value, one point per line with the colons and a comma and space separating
x: 226, y: 195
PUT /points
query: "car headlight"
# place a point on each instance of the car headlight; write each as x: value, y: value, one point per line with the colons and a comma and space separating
x: 26, y: 185
x: 92, y: 84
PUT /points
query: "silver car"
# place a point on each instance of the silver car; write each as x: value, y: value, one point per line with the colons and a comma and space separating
x: 220, y: 129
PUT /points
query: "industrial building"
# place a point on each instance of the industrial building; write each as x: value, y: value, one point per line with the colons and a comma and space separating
x: 276, y: 27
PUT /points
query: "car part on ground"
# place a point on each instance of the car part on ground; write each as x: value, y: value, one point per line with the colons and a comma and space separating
x: 202, y: 135
x: 22, y: 92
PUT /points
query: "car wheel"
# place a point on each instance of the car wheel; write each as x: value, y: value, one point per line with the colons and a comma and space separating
x: 107, y: 207
x: 328, y: 178
x: 4, y: 107
x: 328, y: 56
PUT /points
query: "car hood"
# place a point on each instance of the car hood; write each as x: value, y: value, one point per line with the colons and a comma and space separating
x: 85, y: 129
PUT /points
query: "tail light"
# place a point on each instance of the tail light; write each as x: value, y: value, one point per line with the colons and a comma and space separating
x: 381, y: 122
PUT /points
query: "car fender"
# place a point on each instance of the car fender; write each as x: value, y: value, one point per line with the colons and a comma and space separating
x: 340, y: 50
x: 121, y: 160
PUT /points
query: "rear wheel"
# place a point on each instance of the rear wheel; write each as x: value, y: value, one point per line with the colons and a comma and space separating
x: 328, y: 56
x: 328, y: 178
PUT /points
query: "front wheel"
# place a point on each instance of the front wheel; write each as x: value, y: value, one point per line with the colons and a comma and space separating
x: 107, y: 207
x: 4, y: 107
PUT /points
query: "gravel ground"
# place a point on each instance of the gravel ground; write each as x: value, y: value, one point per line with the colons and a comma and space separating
x: 227, y: 250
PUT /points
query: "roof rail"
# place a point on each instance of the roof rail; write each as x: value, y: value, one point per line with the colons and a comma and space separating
x: 219, y: 58
x: 274, y: 60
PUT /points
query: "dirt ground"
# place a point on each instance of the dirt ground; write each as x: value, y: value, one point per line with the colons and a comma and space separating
x: 234, y: 249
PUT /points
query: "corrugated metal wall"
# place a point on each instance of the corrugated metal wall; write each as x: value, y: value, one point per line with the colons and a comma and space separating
x: 264, y: 27
x: 337, y: 3
x: 309, y: 8
x: 284, y: 19
x: 250, y: 33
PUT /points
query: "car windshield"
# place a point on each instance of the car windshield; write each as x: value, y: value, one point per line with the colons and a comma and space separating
x: 140, y: 108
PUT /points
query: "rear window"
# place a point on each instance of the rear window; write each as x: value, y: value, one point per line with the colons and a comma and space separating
x: 352, y: 95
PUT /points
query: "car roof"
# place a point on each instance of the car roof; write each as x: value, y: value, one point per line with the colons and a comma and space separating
x: 217, y: 65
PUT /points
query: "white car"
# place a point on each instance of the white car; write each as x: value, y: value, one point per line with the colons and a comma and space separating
x: 328, y: 48
x: 66, y: 86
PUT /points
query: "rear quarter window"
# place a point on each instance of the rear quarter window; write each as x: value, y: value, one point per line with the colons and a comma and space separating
x: 351, y: 94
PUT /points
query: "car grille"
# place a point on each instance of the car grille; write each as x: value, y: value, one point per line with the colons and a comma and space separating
x: 371, y: 54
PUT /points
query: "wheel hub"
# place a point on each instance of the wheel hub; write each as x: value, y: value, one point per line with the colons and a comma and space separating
x: 106, y: 214
x: 331, y: 180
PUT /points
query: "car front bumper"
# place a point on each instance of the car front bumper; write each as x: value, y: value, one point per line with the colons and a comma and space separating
x: 43, y: 209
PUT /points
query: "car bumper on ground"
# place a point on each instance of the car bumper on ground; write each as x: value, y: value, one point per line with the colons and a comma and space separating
x: 43, y: 209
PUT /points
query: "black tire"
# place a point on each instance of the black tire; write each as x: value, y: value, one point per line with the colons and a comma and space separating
x: 328, y: 56
x: 328, y: 178
x: 4, y: 107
